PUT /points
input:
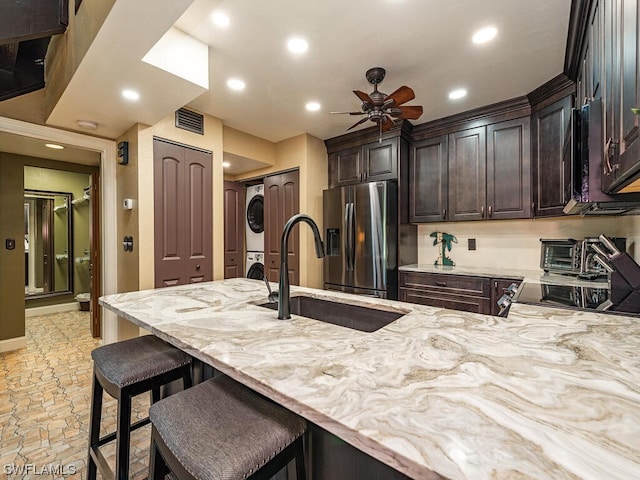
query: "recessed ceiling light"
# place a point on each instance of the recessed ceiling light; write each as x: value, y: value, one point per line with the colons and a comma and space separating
x: 226, y: 164
x: 235, y: 84
x: 55, y: 146
x: 297, y: 45
x: 484, y: 35
x: 456, y: 94
x: 312, y: 106
x: 130, y: 95
x: 220, y: 19
x: 88, y: 124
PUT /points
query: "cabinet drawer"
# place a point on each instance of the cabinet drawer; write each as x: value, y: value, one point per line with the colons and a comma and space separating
x: 455, y: 284
x: 442, y: 300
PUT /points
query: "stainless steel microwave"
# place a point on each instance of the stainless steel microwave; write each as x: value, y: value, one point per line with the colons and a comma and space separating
x: 574, y: 257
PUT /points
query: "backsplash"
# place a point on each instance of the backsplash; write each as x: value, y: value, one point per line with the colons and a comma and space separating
x: 516, y: 243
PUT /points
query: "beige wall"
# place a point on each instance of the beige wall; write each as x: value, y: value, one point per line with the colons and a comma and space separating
x: 11, y: 261
x: 127, y: 187
x: 309, y: 155
x: 66, y: 51
x: 516, y: 243
x: 248, y: 146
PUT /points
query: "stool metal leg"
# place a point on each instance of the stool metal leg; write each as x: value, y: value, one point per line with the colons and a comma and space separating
x: 301, y: 473
x: 94, y: 426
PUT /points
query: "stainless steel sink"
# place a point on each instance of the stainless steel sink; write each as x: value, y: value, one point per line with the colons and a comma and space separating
x: 356, y: 317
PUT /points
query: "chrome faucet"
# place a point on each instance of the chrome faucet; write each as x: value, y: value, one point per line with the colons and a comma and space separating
x: 284, y: 300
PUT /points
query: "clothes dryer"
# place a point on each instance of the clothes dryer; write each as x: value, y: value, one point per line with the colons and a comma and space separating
x: 255, y: 218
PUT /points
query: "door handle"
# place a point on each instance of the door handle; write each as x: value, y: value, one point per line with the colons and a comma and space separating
x: 441, y: 284
x: 444, y: 213
x: 197, y: 267
x: 490, y: 211
x: 482, y: 211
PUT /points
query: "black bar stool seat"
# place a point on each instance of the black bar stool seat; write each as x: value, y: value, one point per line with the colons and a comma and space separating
x: 126, y: 369
x: 221, y: 430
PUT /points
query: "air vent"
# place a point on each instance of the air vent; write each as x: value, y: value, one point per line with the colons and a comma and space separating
x: 188, y: 120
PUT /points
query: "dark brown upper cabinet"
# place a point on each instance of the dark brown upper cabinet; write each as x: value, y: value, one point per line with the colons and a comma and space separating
x: 551, y: 174
x: 603, y: 57
x: 472, y: 166
x: 428, y: 180
x: 509, y: 169
x: 367, y: 163
x: 364, y: 156
x: 467, y: 174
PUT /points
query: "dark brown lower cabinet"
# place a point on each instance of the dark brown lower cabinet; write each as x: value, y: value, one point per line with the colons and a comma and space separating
x: 281, y: 202
x: 334, y: 459
x: 234, y: 200
x: 455, y: 292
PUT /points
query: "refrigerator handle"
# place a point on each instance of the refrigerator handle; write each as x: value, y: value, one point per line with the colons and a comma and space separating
x: 352, y: 227
x: 351, y: 237
x: 347, y: 234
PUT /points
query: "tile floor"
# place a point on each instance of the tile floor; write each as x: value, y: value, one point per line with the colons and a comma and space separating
x: 45, y: 391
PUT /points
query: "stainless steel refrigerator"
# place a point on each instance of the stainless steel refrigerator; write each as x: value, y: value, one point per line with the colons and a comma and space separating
x: 361, y: 234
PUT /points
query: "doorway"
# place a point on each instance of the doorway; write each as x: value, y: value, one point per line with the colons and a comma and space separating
x: 105, y: 181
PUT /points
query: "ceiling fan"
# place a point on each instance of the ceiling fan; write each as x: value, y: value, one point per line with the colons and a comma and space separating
x: 381, y: 108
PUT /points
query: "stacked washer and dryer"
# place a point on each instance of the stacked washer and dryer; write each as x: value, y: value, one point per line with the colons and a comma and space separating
x: 255, y: 232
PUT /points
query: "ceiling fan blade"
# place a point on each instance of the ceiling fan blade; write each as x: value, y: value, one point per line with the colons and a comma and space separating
x: 350, y: 113
x: 400, y: 96
x: 387, y: 123
x: 363, y: 96
x: 410, y: 112
x: 362, y: 120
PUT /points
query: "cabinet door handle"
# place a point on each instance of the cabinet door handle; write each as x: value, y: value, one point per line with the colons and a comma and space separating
x: 441, y: 284
x: 482, y: 211
x: 444, y: 213
x: 490, y: 211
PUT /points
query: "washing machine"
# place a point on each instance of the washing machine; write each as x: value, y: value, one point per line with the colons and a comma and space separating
x: 255, y: 266
x: 255, y: 218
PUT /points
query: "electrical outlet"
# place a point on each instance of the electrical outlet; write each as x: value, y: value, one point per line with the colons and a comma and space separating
x: 471, y: 243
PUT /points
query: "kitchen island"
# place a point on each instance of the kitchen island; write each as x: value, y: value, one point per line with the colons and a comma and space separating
x: 544, y: 394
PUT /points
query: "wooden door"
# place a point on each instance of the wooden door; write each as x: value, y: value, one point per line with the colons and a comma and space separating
x: 551, y: 175
x: 509, y: 169
x: 234, y: 205
x: 281, y: 202
x: 95, y: 265
x: 467, y: 174
x: 428, y: 180
x: 610, y: 91
x: 380, y: 160
x: 183, y: 214
x: 345, y: 167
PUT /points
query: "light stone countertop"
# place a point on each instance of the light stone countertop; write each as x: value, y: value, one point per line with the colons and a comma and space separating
x: 544, y: 394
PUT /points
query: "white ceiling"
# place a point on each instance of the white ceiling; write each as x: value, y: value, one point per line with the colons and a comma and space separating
x: 425, y: 44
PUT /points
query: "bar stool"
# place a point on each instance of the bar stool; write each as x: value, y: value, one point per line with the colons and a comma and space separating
x: 124, y: 370
x: 221, y: 430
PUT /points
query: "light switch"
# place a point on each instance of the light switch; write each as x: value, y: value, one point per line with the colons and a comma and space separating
x: 10, y: 243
